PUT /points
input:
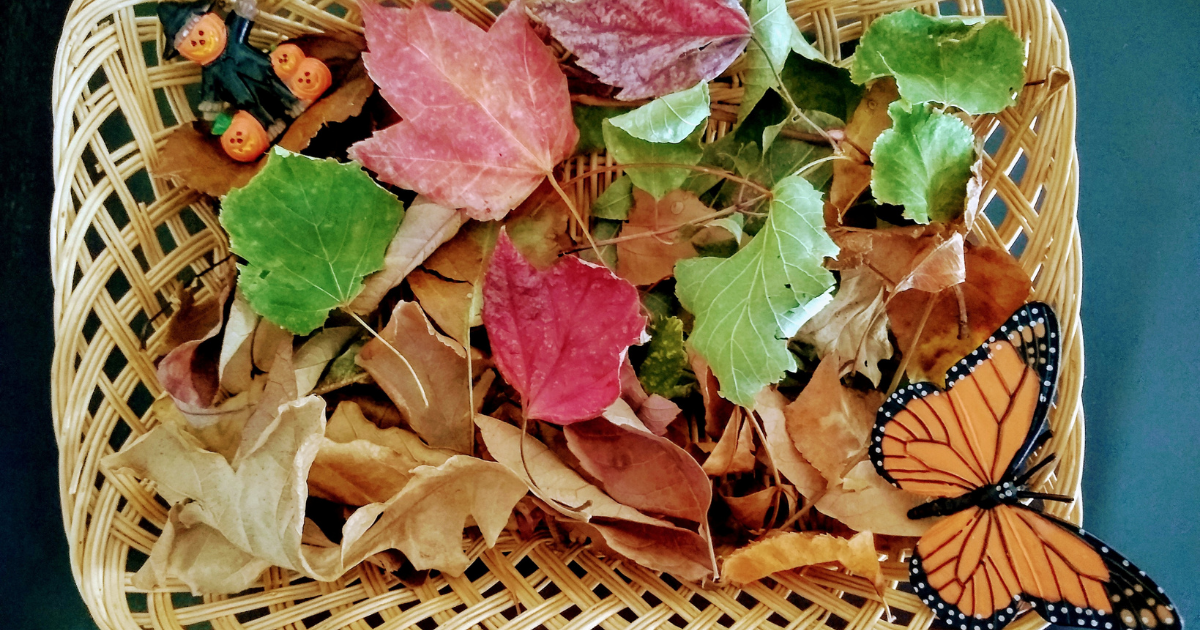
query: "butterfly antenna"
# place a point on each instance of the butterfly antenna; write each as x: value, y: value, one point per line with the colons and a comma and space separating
x: 1024, y: 478
x: 1061, y: 498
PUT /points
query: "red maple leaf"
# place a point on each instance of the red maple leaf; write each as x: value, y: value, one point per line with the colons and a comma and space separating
x: 649, y: 47
x: 559, y: 335
x: 486, y: 115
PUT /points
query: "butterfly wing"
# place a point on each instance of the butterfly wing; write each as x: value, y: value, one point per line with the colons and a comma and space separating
x: 984, y: 424
x: 974, y: 568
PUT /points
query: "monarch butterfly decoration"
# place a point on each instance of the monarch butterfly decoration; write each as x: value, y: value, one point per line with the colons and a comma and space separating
x: 967, y: 447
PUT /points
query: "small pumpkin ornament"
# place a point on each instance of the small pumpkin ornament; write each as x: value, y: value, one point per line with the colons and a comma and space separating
x: 203, y: 40
x: 286, y: 59
x: 244, y: 139
x: 310, y: 80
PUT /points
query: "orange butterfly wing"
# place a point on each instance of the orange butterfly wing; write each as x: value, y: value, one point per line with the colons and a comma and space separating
x: 946, y: 443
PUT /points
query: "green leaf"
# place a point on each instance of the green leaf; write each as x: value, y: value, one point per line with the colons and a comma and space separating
x: 604, y: 230
x: 669, y: 119
x: 657, y: 180
x: 616, y: 200
x: 822, y: 87
x: 976, y: 67
x: 590, y: 121
x: 923, y: 163
x: 775, y: 34
x: 747, y: 306
x: 309, y: 230
x: 664, y: 371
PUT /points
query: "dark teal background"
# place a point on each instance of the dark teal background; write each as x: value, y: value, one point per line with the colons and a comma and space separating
x: 1137, y: 66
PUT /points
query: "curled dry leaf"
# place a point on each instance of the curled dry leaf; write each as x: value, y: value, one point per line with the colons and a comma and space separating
x: 751, y: 510
x: 359, y: 463
x: 734, y: 452
x: 831, y: 423
x: 792, y: 550
x: 236, y: 364
x: 769, y: 406
x: 200, y: 556
x: 852, y: 329
x: 717, y: 410
x: 851, y: 177
x: 437, y: 404
x: 995, y: 286
x: 188, y: 371
x: 426, y: 227
x: 652, y: 542
x: 642, y: 470
x: 486, y: 115
x: 649, y: 47
x: 342, y: 103
x: 565, y: 367
x: 316, y: 354
x: 195, y: 160
x: 941, y: 268
x: 654, y: 411
x: 666, y: 235
x: 864, y: 501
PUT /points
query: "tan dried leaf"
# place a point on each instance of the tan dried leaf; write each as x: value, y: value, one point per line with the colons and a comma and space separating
x: 792, y: 550
x: 830, y: 423
x: 195, y: 160
x: 852, y: 329
x: 341, y: 104
x: 864, y: 501
x: 649, y: 259
x: 734, y: 452
x: 769, y: 405
x: 851, y: 177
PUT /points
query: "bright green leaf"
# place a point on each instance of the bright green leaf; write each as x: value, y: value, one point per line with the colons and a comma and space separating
x: 978, y: 67
x: 665, y: 371
x: 616, y: 200
x: 923, y: 163
x: 309, y: 230
x: 669, y: 119
x: 775, y: 34
x: 656, y: 180
x: 747, y: 306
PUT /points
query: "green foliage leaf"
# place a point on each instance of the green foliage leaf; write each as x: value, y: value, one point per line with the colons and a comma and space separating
x: 923, y: 163
x: 656, y: 180
x: 668, y: 119
x: 747, y: 306
x: 775, y: 34
x: 664, y: 371
x: 818, y: 86
x: 977, y: 67
x: 616, y: 200
x: 590, y: 121
x: 310, y: 230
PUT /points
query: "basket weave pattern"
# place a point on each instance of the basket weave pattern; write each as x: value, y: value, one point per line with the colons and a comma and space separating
x: 122, y: 242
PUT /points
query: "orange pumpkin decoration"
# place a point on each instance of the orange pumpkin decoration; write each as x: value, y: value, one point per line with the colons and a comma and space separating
x: 205, y: 41
x: 245, y: 139
x: 311, y: 80
x: 286, y: 59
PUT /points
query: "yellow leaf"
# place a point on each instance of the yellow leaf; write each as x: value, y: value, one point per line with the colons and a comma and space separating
x: 792, y: 550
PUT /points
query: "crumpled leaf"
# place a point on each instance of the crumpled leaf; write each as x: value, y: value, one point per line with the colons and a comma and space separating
x: 565, y: 368
x: 852, y: 329
x: 864, y: 501
x: 642, y: 470
x: 996, y: 285
x: 746, y: 306
x: 664, y: 131
x: 310, y: 230
x: 656, y: 412
x: 943, y: 267
x: 831, y: 423
x: 978, y: 67
x: 649, y: 47
x: 236, y: 362
x: 317, y: 353
x: 449, y: 283
x: 650, y: 259
x: 751, y: 510
x: 195, y: 160
x: 775, y: 35
x: 791, y: 550
x: 923, y: 163
x: 426, y: 227
x: 199, y: 556
x: 769, y: 405
x: 652, y: 542
x: 486, y: 116
x: 437, y: 406
x: 193, y: 321
x: 358, y: 463
x: 664, y: 371
x: 852, y: 176
x: 342, y: 103
x: 734, y: 452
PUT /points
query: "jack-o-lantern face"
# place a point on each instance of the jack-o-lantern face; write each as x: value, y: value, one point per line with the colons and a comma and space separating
x: 311, y: 79
x: 204, y: 41
x: 245, y: 139
x: 286, y: 60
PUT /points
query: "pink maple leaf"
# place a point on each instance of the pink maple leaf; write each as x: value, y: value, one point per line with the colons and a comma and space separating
x: 559, y: 335
x: 649, y: 47
x: 486, y: 115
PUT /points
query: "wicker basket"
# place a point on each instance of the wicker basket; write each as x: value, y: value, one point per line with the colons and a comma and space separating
x: 122, y: 242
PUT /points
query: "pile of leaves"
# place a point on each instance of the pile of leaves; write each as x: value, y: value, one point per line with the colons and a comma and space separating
x: 423, y: 336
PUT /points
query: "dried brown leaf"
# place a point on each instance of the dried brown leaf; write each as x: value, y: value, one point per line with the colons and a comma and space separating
x: 864, y: 501
x: 851, y: 177
x: 792, y: 550
x: 831, y: 423
x: 652, y: 258
x: 734, y: 452
x: 195, y: 160
x: 852, y: 329
x: 342, y: 103
x: 770, y: 405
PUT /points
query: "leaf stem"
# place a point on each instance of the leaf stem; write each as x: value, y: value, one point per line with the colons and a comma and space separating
x: 420, y: 387
x: 667, y: 230
x: 587, y: 231
x: 787, y: 96
x: 691, y: 167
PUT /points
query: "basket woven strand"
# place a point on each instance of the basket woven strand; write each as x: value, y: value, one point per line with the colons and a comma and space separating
x: 122, y: 243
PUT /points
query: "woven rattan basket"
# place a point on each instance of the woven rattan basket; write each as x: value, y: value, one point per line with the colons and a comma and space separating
x: 122, y: 241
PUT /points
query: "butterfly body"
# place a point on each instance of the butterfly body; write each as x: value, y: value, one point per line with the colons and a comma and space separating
x: 991, y: 556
